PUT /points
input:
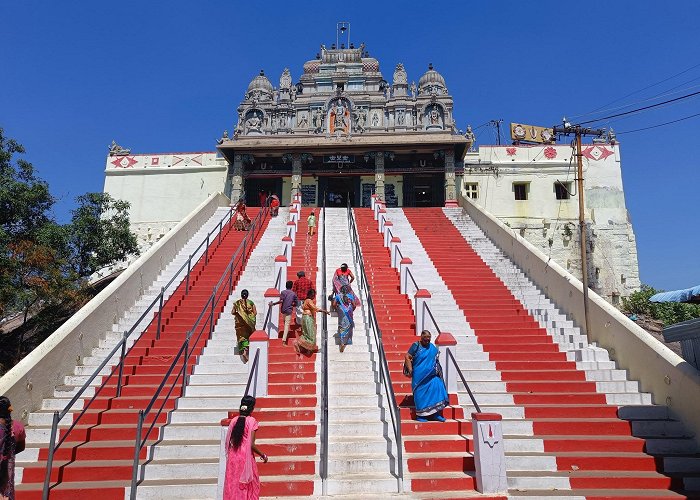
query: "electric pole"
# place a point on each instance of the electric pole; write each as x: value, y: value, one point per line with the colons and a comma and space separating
x: 579, y: 132
x: 497, y: 124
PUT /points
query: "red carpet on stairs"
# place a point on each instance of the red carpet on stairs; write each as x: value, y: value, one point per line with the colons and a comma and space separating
x: 287, y: 416
x: 591, y: 444
x: 96, y: 459
x: 438, y: 454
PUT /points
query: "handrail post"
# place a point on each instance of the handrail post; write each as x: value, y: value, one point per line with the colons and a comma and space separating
x: 206, y: 250
x: 230, y: 278
x: 260, y: 341
x: 287, y: 246
x: 211, y: 312
x: 184, y: 365
x: 292, y: 231
x: 489, y: 453
x: 49, y: 460
x: 160, y: 312
x: 245, y: 253
x: 281, y: 263
x: 394, y: 255
x: 422, y: 299
x: 220, y: 230
x: 446, y: 342
x: 121, y: 364
x: 273, y: 325
x: 189, y: 270
x: 404, y: 267
x: 137, y: 455
x: 381, y: 220
x: 387, y: 234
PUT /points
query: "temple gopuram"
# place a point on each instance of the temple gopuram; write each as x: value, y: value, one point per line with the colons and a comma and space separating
x: 343, y: 131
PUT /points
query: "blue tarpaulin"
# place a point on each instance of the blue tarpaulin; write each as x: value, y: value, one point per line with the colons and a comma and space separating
x: 687, y: 295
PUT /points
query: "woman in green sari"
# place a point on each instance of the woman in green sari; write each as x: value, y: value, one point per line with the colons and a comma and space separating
x: 245, y: 313
x: 307, y: 340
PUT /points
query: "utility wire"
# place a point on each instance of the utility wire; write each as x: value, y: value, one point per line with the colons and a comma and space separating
x: 659, y: 125
x: 638, y: 91
x: 641, y: 109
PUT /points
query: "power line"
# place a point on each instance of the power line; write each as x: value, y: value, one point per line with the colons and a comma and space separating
x: 640, y: 109
x: 638, y: 91
x: 668, y: 92
x: 659, y: 125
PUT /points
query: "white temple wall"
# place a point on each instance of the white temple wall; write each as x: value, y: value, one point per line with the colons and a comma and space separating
x: 163, y: 189
x: 552, y: 224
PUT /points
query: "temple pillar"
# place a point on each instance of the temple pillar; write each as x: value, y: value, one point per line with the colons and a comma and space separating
x: 237, y: 179
x: 379, y: 175
x: 296, y: 175
x: 450, y: 188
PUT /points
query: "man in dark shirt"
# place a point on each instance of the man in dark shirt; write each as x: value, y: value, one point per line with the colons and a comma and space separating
x: 289, y: 300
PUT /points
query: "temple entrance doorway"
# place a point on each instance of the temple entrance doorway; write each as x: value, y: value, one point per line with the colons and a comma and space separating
x: 339, y: 190
x: 424, y: 190
x: 256, y: 186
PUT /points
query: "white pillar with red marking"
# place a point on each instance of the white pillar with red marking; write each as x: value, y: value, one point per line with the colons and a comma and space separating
x: 394, y: 249
x: 272, y: 328
x: 293, y: 232
x: 287, y: 245
x: 489, y: 453
x: 404, y: 266
x: 258, y: 383
x: 373, y: 201
x: 377, y: 208
x: 445, y: 342
x: 422, y: 302
x: 381, y: 219
x: 281, y: 263
x: 293, y: 215
x: 388, y: 226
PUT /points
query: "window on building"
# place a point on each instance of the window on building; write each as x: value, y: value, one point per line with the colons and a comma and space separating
x: 472, y: 190
x: 562, y: 190
x: 520, y: 190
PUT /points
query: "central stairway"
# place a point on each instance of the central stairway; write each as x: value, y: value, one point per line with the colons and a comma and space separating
x: 359, y: 462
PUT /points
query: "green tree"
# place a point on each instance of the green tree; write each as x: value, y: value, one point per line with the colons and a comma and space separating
x: 99, y: 234
x: 25, y: 204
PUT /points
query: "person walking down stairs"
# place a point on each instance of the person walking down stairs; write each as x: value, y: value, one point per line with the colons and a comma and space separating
x: 242, y: 481
x: 429, y: 393
x: 245, y: 313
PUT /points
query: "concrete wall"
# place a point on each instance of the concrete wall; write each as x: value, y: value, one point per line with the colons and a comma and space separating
x: 671, y: 380
x: 552, y: 225
x: 35, y: 377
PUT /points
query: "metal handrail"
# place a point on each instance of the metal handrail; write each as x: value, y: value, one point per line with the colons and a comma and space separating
x: 209, y: 307
x: 121, y: 346
x: 323, y: 466
x: 253, y: 372
x: 450, y: 357
x: 409, y: 273
x: 384, y: 377
x: 430, y: 313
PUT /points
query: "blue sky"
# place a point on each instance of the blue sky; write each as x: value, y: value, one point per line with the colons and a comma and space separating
x: 168, y: 76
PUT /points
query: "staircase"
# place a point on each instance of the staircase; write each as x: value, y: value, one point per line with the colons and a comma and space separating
x: 599, y: 436
x: 438, y: 455
x: 359, y: 463
x: 96, y: 459
x: 185, y: 463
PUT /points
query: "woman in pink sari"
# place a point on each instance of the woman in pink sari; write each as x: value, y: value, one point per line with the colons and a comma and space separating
x: 242, y: 481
